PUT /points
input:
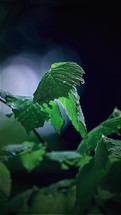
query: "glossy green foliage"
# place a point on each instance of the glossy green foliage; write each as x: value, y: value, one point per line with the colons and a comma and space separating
x: 98, y: 180
x: 74, y: 112
x: 33, y: 157
x: 110, y: 126
x: 101, y: 154
x: 113, y: 146
x: 58, y: 81
x: 56, y: 119
x: 90, y: 176
x: 30, y: 115
x: 96, y: 189
x: 66, y: 159
x: 96, y: 177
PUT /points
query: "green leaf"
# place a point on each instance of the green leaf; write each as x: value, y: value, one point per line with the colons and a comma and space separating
x: 62, y: 156
x: 56, y: 119
x: 74, y: 112
x: 65, y: 158
x: 87, y: 181
x: 110, y: 126
x: 33, y: 157
x: 16, y: 148
x: 58, y: 81
x: 5, y: 180
x: 85, y: 159
x: 30, y: 115
x: 101, y: 154
x: 113, y: 146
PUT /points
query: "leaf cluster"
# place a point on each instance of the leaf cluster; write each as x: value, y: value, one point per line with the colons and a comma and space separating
x: 98, y: 182
x: 96, y: 189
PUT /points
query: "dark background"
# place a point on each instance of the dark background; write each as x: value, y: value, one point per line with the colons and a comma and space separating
x: 92, y: 28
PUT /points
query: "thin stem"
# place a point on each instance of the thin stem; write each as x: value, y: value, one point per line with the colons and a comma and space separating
x: 38, y: 136
x: 48, y: 148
